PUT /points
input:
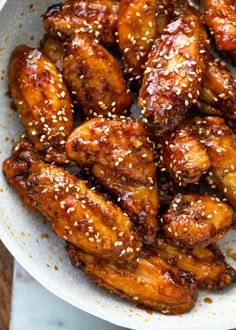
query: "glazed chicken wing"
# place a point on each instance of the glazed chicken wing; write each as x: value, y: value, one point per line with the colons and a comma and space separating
x: 120, y: 157
x: 220, y: 143
x: 218, y: 90
x: 16, y: 168
x: 173, y: 74
x: 95, y: 18
x: 54, y: 49
x: 80, y: 215
x: 139, y: 24
x: 220, y: 17
x: 95, y: 79
x: 152, y: 281
x: 42, y: 101
x: 182, y: 155
x: 206, y: 264
x: 196, y: 220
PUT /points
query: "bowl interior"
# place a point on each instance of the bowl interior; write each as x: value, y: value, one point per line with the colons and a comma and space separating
x: 32, y: 242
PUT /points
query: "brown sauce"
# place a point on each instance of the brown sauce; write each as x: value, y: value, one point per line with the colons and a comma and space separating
x: 231, y: 254
x: 146, y: 309
x: 208, y: 300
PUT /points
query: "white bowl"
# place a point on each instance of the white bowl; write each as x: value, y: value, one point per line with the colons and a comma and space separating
x: 2, y: 3
x: 45, y: 258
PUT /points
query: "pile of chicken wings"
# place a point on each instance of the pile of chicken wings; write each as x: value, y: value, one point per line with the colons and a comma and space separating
x: 156, y: 190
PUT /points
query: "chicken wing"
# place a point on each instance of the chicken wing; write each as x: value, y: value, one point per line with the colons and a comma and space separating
x: 218, y: 90
x: 220, y: 143
x: 173, y: 74
x: 95, y: 79
x: 42, y: 100
x: 220, y: 17
x: 152, y: 281
x: 182, y: 155
x: 16, y: 168
x: 95, y: 18
x: 80, y: 215
x: 197, y: 220
x: 206, y: 264
x: 139, y: 24
x: 120, y: 157
x: 54, y: 49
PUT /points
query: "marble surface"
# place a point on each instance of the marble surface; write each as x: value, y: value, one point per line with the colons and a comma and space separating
x: 34, y: 307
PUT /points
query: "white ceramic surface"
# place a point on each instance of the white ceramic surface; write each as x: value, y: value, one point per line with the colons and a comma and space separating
x: 23, y: 232
x: 2, y: 3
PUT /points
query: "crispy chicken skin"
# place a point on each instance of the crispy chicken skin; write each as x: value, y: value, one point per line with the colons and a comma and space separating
x: 120, y: 157
x: 42, y: 100
x: 218, y: 90
x: 95, y: 79
x: 220, y: 17
x: 206, y: 264
x: 196, y: 220
x: 16, y: 168
x: 80, y: 215
x: 54, y: 49
x: 220, y: 143
x: 183, y: 156
x: 139, y: 24
x: 152, y: 281
x: 95, y: 18
x: 173, y: 74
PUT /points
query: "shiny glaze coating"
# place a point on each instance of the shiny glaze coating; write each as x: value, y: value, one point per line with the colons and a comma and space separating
x: 80, y: 215
x: 54, y: 49
x: 139, y: 24
x: 152, y: 281
x: 218, y: 90
x: 95, y: 79
x: 42, y: 100
x: 220, y: 17
x: 206, y: 264
x: 120, y: 157
x: 173, y: 74
x: 182, y: 155
x: 220, y: 143
x: 196, y: 220
x: 95, y: 18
